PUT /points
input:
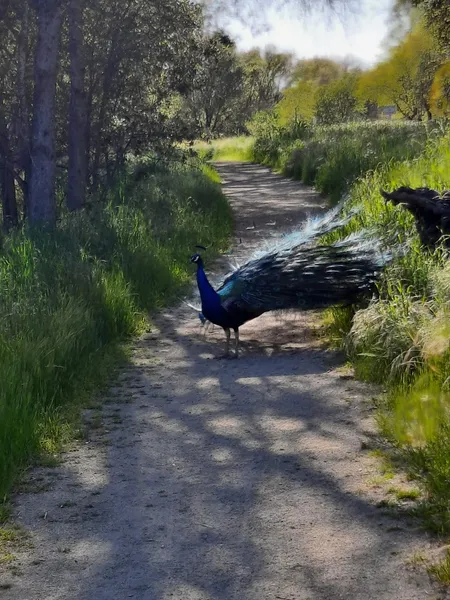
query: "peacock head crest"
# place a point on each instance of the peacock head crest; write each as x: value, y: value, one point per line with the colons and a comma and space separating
x: 196, y: 258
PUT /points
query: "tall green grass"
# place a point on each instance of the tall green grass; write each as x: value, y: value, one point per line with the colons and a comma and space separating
x: 332, y: 157
x: 67, y: 297
x: 402, y: 339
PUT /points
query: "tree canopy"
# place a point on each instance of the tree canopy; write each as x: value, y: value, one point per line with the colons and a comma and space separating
x: 85, y: 84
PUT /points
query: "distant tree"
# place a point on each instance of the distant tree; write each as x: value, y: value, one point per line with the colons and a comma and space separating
x: 298, y: 102
x: 317, y: 80
x: 406, y: 77
x: 266, y: 75
x: 319, y: 71
x: 337, y: 102
x: 216, y: 96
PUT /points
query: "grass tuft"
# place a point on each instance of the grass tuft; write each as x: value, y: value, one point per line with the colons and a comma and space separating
x: 333, y: 157
x: 441, y: 570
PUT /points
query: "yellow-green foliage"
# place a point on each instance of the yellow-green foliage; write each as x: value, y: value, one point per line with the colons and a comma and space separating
x: 440, y: 91
x: 405, y: 77
x: 298, y: 102
x: 226, y: 149
x: 66, y: 296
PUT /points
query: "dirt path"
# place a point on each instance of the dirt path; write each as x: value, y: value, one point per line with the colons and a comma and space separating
x: 221, y: 480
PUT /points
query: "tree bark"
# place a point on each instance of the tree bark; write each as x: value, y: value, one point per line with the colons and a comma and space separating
x: 111, y: 66
x: 42, y: 208
x: 23, y: 126
x: 7, y: 183
x: 76, y: 191
x: 8, y: 190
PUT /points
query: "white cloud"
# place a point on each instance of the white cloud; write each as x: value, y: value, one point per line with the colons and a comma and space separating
x: 359, y: 33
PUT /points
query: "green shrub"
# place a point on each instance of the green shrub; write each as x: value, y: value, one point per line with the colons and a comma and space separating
x: 336, y: 102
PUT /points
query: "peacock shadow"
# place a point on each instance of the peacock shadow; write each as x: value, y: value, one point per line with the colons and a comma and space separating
x: 264, y: 343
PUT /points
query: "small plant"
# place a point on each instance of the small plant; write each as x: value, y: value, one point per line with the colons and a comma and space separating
x: 5, y: 512
x: 441, y: 570
x: 404, y: 494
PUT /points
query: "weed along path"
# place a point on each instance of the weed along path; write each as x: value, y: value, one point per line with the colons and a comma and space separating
x: 221, y: 480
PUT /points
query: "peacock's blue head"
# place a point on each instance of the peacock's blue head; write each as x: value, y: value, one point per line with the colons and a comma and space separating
x: 197, y: 259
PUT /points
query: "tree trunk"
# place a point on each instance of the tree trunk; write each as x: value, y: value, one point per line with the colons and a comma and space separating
x: 105, y: 97
x: 77, y: 112
x: 8, y: 190
x: 42, y: 207
x: 112, y: 62
x: 23, y: 126
x: 7, y: 184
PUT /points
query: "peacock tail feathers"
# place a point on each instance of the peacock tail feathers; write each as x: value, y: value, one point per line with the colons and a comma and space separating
x: 312, y: 230
x: 299, y: 272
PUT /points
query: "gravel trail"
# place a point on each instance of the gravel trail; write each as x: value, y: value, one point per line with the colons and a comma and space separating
x: 221, y: 480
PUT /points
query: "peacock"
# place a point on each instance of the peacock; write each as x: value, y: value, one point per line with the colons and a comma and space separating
x: 430, y: 210
x: 297, y: 272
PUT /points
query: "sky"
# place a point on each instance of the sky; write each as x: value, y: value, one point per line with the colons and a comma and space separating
x: 358, y: 33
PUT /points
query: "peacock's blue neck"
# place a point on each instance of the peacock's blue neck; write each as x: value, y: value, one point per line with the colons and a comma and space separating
x: 210, y: 298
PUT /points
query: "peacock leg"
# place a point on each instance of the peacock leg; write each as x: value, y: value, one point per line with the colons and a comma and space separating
x: 236, y: 342
x: 227, y: 347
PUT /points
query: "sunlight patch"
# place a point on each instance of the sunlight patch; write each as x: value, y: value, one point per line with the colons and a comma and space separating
x: 228, y: 425
x: 207, y: 382
x: 272, y: 424
x: 222, y: 455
